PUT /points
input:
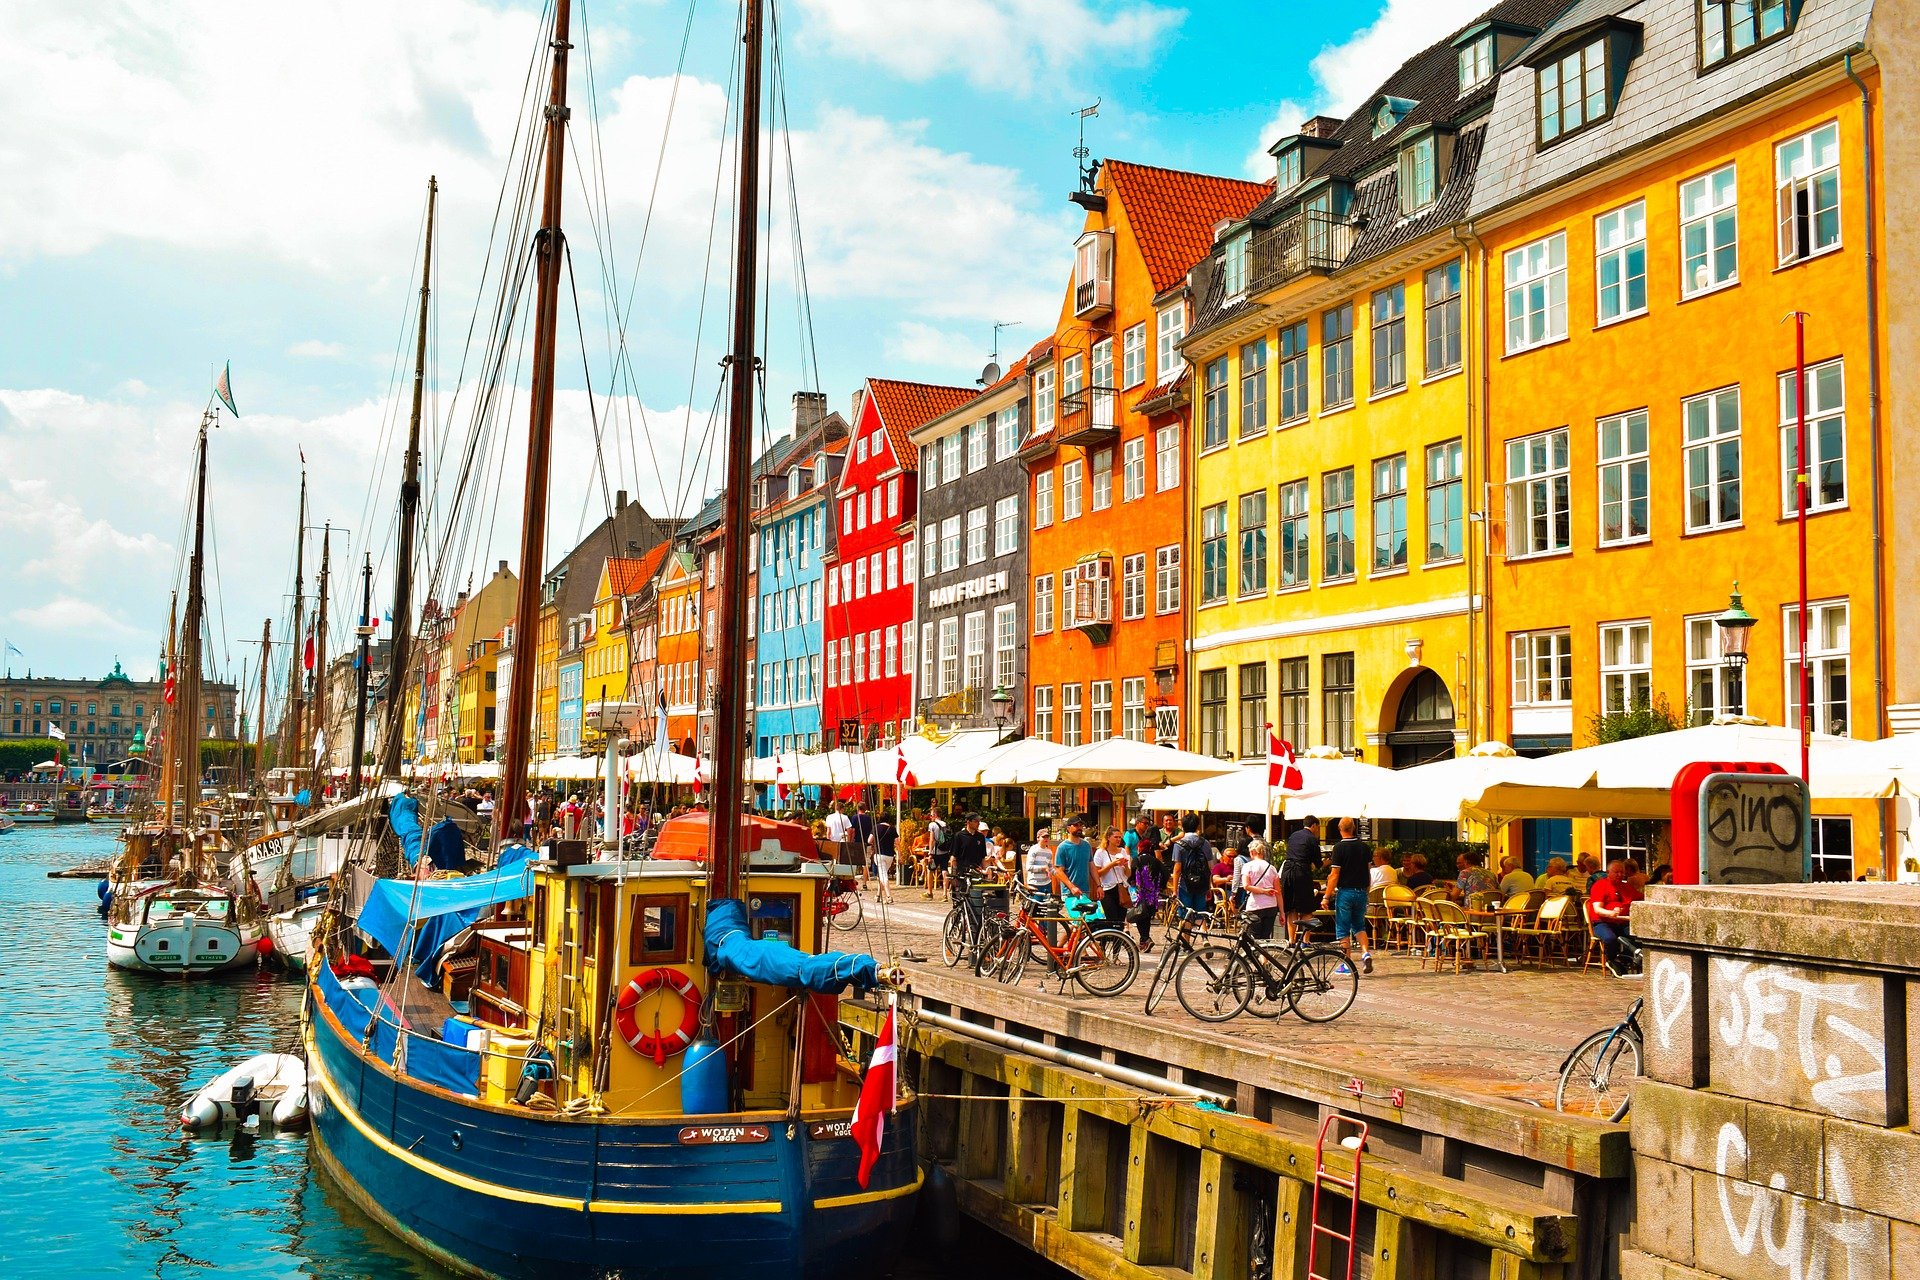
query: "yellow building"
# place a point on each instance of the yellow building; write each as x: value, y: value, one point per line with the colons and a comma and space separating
x: 475, y: 616
x: 1333, y: 593
x: 546, y: 671
x: 477, y: 689
x: 607, y: 658
x: 1643, y: 241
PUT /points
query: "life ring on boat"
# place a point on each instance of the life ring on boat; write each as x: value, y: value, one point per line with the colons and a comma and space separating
x: 646, y: 1043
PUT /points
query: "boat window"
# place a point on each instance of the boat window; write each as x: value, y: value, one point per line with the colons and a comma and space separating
x: 657, y: 933
x: 217, y: 909
x: 773, y: 915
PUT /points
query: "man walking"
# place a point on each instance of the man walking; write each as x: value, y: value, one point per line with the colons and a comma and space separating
x: 970, y: 848
x: 1347, y: 893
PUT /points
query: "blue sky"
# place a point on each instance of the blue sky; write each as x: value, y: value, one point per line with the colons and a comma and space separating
x: 211, y: 181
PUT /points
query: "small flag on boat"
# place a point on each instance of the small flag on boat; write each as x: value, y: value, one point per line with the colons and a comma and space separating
x: 223, y: 387
x: 1282, y: 772
x: 55, y: 731
x: 308, y: 660
x: 902, y: 775
x: 166, y: 690
x: 879, y: 1097
x: 780, y: 781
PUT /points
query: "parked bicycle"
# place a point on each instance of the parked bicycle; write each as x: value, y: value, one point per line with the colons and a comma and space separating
x: 968, y: 921
x: 843, y: 904
x: 1597, y: 1077
x: 1103, y: 961
x: 1218, y: 981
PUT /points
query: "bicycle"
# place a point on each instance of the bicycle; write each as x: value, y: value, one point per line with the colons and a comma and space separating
x: 1178, y: 930
x: 1591, y: 1079
x: 1104, y: 961
x: 1218, y: 982
x: 966, y: 923
x: 843, y: 903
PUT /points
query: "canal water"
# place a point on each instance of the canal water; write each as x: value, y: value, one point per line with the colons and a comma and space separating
x: 98, y: 1179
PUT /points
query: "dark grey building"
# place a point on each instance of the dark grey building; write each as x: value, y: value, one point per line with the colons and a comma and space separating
x: 970, y: 603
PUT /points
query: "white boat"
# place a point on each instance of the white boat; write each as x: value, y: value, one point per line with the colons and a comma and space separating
x: 292, y: 931
x: 187, y: 931
x: 268, y: 1089
x: 6, y: 824
x: 32, y: 813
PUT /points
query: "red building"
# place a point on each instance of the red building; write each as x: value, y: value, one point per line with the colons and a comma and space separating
x: 868, y: 636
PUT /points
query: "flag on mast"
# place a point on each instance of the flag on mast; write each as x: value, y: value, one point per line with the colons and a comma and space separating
x: 902, y: 774
x: 879, y: 1098
x: 1282, y: 773
x: 55, y: 731
x: 223, y: 387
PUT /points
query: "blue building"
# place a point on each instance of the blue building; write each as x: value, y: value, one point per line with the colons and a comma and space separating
x: 791, y: 529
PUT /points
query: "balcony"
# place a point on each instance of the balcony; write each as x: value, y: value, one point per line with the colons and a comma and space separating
x: 1311, y: 242
x: 1088, y: 419
x: 1093, y: 275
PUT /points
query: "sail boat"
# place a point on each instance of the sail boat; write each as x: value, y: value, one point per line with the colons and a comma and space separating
x: 642, y: 1074
x: 171, y: 910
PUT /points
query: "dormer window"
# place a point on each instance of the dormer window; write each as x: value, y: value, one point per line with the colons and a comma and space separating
x: 1390, y: 112
x: 1577, y: 78
x: 1419, y: 181
x: 1233, y: 264
x: 1729, y: 28
x: 1289, y: 168
x: 1476, y: 61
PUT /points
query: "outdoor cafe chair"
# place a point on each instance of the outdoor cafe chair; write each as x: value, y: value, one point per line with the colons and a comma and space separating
x: 1548, y: 933
x: 1399, y: 906
x: 1451, y: 934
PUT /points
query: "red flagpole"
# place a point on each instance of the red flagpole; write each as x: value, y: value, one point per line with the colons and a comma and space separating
x: 1802, y: 488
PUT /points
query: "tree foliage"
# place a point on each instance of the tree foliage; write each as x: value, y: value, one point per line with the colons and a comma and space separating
x: 17, y: 755
x: 1642, y: 721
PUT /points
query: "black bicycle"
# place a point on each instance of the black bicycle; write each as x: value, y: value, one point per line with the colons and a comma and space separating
x: 1218, y: 981
x: 968, y: 921
x: 1597, y: 1077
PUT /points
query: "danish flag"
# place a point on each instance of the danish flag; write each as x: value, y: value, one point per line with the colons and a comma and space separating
x: 780, y: 781
x: 1282, y: 773
x: 902, y: 775
x: 879, y: 1097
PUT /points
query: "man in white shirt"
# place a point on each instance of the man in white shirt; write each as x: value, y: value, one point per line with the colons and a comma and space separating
x: 1383, y: 872
x: 839, y: 825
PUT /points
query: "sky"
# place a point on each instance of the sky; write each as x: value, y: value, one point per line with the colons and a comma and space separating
x: 193, y: 183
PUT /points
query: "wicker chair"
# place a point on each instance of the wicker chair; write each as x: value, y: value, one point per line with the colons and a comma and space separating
x: 1548, y: 932
x: 1399, y: 906
x: 1449, y: 932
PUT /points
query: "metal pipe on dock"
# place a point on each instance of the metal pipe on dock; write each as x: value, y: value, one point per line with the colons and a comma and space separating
x: 1067, y: 1058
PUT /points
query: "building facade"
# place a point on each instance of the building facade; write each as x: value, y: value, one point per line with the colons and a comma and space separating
x: 103, y: 719
x: 679, y: 661
x: 868, y: 635
x: 970, y: 598
x: 1106, y: 457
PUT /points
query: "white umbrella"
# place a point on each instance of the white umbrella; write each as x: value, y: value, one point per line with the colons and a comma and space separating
x: 1871, y: 770
x: 999, y: 766
x: 1120, y: 764
x: 568, y: 769
x: 672, y: 768
x: 830, y: 769
x: 951, y: 763
x: 1441, y: 791
x: 1245, y: 789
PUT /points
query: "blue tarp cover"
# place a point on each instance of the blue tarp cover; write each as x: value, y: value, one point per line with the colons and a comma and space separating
x: 403, y: 815
x: 451, y: 1067
x: 730, y: 948
x: 446, y: 846
x: 441, y: 908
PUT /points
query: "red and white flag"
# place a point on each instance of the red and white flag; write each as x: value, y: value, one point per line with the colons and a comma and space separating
x: 879, y: 1098
x: 902, y: 775
x: 1282, y: 773
x: 699, y: 775
x: 166, y: 694
x: 780, y: 781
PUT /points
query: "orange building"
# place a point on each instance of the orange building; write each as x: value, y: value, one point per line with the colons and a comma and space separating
x: 677, y: 654
x: 1105, y: 456
x: 1643, y: 241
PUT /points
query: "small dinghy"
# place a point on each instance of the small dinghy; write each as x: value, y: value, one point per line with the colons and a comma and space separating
x: 268, y: 1090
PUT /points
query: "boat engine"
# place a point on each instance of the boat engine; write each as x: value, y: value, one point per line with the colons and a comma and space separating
x: 246, y: 1103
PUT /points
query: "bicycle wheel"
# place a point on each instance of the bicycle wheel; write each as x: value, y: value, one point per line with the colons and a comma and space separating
x: 1597, y: 1077
x: 1270, y: 999
x: 845, y: 909
x: 1162, y: 980
x: 953, y: 936
x: 992, y: 953
x: 1213, y: 983
x: 1317, y: 987
x: 1106, y: 962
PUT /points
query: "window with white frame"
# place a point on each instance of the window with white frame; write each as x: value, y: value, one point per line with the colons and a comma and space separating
x: 930, y: 466
x: 906, y: 562
x: 1133, y: 469
x: 1572, y: 90
x: 1133, y: 708
x: 1233, y: 266
x: 1624, y: 479
x: 949, y: 655
x: 1166, y: 579
x: 893, y: 567
x: 893, y: 651
x: 1542, y: 668
x: 1418, y: 183
x: 1006, y: 433
x: 1070, y: 715
x: 1043, y: 604
x: 1172, y: 329
x: 1389, y: 332
x: 950, y: 544
x: 1390, y: 513
x: 1253, y: 388
x: 1536, y: 292
x: 1043, y: 712
x: 846, y: 516
x: 1070, y: 485
x: 930, y: 549
x: 1828, y: 644
x: 1293, y: 372
x: 1043, y: 401
x: 1102, y: 479
x: 1296, y: 535
x: 1826, y: 437
x: 1253, y: 543
x: 1006, y: 525
x: 1620, y: 262
x: 1100, y: 385
x: 1712, y: 452
x: 1440, y: 303
x: 860, y: 507
x: 1539, y: 520
x: 1133, y: 356
x: 833, y: 668
x: 1006, y: 638
x: 976, y: 535
x: 1626, y: 666
x: 860, y: 449
x: 928, y: 685
x: 1101, y: 703
x: 860, y: 657
x: 1073, y: 380
x: 1213, y: 553
x: 1806, y: 181
x: 1709, y: 231
x: 1446, y: 515
x: 976, y: 651
x: 1042, y: 499
x: 873, y: 654
x: 1476, y: 61
x: 1336, y: 357
x: 1166, y: 458
x: 1133, y: 586
x: 1336, y: 520
x: 1213, y: 405
x: 893, y: 498
x: 976, y: 445
x: 906, y: 647
x: 860, y: 577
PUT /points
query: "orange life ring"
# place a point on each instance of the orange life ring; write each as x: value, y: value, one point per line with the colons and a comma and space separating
x: 647, y: 1043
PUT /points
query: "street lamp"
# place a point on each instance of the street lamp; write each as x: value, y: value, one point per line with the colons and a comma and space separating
x: 1736, y: 632
x: 1002, y: 701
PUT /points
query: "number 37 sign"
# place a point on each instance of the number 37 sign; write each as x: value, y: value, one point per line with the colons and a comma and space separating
x: 1739, y: 824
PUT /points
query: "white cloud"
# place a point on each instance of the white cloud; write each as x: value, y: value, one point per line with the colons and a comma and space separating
x: 1345, y: 73
x: 995, y: 44
x: 66, y: 616
x: 923, y: 344
x: 315, y: 349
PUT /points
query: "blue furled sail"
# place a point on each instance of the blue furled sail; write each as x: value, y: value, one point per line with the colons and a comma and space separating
x: 731, y: 949
x: 435, y: 910
x: 403, y: 815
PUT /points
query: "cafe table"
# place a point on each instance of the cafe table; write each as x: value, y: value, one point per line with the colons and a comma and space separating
x: 1498, y: 916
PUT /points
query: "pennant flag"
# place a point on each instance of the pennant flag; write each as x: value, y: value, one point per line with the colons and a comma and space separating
x: 780, y: 781
x: 1282, y: 772
x: 902, y: 775
x: 166, y: 690
x: 55, y: 731
x: 699, y: 776
x: 308, y: 660
x: 224, y: 389
x: 11, y: 648
x: 879, y: 1098
x: 319, y: 743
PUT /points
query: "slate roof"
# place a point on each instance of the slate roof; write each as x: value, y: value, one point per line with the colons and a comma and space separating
x: 707, y: 518
x: 903, y: 406
x: 1173, y: 213
x: 628, y: 531
x: 1664, y: 91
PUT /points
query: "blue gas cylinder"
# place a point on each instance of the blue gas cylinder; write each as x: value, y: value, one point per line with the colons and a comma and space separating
x: 703, y: 1079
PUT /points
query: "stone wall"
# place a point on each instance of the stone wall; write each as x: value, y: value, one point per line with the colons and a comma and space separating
x: 1772, y: 1136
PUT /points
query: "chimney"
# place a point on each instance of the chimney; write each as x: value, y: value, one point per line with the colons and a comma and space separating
x: 1320, y: 127
x: 619, y: 501
x: 809, y: 408
x: 502, y: 569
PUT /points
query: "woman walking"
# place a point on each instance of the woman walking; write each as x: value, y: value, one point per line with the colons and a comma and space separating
x: 1112, y: 869
x: 1262, y: 885
x: 1149, y: 887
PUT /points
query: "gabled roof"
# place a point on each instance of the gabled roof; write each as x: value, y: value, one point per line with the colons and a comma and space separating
x: 629, y: 576
x: 904, y: 406
x: 1173, y: 213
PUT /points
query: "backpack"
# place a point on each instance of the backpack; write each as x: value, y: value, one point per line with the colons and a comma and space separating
x: 1196, y: 869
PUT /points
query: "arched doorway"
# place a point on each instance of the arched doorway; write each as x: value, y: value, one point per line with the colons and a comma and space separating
x: 1423, y: 723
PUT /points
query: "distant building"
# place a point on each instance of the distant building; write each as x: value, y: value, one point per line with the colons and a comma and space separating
x: 100, y: 717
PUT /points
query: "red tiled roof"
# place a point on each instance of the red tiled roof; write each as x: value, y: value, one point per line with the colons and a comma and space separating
x: 629, y: 575
x: 1173, y: 213
x: 906, y: 405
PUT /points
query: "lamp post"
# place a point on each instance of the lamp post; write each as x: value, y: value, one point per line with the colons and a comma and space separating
x: 1002, y: 704
x: 1736, y: 631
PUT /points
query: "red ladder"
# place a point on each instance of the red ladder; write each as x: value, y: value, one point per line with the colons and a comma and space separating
x: 1349, y: 1186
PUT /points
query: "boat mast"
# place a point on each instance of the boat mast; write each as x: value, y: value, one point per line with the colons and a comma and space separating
x: 260, y: 721
x: 548, y: 243
x: 361, y: 661
x: 185, y: 737
x: 320, y: 652
x: 163, y: 720
x: 409, y: 512
x: 725, y: 826
x: 296, y: 684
